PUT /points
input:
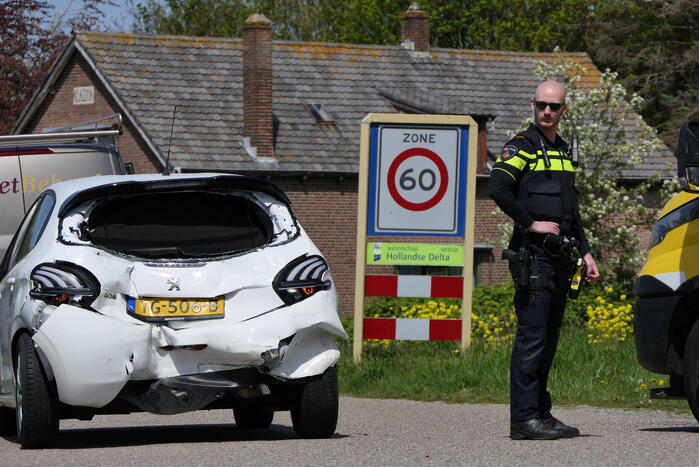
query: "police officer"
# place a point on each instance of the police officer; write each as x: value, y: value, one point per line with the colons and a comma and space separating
x: 533, y: 182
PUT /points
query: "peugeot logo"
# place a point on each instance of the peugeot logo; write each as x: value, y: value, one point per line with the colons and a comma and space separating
x: 173, y: 283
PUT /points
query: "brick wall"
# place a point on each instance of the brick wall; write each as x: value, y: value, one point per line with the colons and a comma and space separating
x: 58, y: 110
x: 327, y: 209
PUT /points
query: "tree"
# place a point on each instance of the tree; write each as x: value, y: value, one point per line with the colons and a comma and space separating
x: 654, y: 46
x: 30, y: 42
x: 484, y: 24
x: 190, y: 17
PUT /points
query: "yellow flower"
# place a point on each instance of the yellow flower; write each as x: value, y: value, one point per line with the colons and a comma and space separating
x: 643, y: 386
x: 661, y: 382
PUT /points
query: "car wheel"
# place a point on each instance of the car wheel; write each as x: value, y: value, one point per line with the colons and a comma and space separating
x: 691, y: 369
x: 8, y: 425
x: 36, y: 405
x: 315, y: 415
x: 253, y: 417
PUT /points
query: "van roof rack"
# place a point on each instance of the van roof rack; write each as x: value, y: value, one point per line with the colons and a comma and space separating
x: 88, y: 131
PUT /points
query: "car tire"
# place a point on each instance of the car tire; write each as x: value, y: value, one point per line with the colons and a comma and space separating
x: 253, y: 417
x: 691, y: 369
x: 36, y: 405
x: 315, y: 415
x: 8, y: 424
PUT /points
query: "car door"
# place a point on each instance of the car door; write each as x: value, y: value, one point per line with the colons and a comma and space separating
x: 14, y: 283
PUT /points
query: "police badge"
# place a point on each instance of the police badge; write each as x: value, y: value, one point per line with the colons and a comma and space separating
x: 508, y: 152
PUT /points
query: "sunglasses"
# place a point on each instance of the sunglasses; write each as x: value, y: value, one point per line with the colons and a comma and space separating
x: 555, y: 106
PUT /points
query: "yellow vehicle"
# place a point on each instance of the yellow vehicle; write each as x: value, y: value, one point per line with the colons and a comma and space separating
x: 667, y: 307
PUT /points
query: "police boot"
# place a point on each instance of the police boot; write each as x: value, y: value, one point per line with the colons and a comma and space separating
x: 568, y: 431
x: 533, y: 429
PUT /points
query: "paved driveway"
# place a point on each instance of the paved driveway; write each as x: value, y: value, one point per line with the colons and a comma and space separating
x: 371, y: 432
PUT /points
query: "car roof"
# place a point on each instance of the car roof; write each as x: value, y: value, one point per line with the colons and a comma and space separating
x: 72, y: 192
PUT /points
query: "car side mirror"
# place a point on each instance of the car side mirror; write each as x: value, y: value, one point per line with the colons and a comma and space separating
x: 687, y: 154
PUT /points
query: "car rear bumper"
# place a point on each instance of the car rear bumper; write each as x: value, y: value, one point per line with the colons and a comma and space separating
x: 92, y: 356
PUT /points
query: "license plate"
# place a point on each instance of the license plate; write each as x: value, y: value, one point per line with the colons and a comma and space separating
x: 165, y: 309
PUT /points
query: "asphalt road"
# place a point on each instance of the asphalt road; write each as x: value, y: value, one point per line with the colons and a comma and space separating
x: 371, y: 432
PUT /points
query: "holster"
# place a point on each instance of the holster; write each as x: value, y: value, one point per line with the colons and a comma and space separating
x: 524, y: 271
x: 520, y: 265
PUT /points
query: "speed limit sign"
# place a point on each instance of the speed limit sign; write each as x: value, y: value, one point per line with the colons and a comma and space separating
x: 417, y: 177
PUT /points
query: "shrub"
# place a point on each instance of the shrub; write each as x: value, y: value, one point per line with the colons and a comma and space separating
x: 609, y: 319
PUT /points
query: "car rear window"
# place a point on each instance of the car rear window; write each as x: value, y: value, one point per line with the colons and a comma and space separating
x: 179, y: 224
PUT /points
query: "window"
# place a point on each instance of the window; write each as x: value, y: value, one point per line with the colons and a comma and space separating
x: 320, y: 113
x: 31, y: 228
x: 186, y: 224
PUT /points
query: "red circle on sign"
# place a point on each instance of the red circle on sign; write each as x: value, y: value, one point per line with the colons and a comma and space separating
x: 444, y: 176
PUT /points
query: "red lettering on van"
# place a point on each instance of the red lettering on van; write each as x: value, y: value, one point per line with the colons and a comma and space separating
x: 9, y: 185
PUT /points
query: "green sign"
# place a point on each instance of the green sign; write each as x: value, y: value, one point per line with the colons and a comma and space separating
x: 416, y: 254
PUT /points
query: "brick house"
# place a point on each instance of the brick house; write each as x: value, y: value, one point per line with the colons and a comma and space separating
x: 290, y: 111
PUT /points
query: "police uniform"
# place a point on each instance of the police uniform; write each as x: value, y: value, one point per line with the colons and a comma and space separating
x: 534, y: 180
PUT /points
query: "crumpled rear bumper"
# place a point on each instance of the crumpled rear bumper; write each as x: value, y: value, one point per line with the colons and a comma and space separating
x: 92, y: 356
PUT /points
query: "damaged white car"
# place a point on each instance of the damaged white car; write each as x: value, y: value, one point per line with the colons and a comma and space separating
x: 165, y: 294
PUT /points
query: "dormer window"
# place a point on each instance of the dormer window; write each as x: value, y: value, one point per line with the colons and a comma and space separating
x: 320, y: 114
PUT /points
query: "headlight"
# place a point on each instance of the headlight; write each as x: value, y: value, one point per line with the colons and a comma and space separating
x: 64, y: 282
x: 302, y: 278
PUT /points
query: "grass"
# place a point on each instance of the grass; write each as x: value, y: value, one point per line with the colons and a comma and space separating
x: 603, y: 375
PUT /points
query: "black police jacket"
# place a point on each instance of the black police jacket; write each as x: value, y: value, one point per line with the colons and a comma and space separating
x: 534, y: 180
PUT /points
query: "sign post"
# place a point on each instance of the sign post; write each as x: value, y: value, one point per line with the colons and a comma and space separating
x: 417, y: 177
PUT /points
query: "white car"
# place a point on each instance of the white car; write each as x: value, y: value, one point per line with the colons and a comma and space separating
x: 165, y: 294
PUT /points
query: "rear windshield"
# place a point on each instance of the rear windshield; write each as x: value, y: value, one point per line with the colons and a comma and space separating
x: 179, y: 225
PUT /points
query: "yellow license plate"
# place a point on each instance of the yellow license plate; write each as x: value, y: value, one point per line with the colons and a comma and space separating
x: 162, y: 309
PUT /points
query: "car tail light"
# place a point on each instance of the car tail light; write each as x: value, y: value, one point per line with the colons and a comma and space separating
x: 64, y: 282
x: 302, y: 278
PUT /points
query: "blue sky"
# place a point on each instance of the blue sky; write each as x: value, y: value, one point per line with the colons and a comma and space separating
x: 117, y: 18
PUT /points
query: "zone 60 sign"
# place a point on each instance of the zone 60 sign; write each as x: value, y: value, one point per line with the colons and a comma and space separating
x: 417, y: 180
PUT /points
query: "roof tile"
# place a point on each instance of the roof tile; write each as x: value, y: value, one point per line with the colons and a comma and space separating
x: 203, y: 77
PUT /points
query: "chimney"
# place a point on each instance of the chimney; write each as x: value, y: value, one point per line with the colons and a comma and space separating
x: 415, y: 27
x: 257, y: 84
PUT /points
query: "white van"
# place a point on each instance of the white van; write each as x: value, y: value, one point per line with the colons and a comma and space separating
x: 30, y: 163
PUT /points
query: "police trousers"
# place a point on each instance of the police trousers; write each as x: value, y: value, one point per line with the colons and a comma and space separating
x: 539, y: 317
